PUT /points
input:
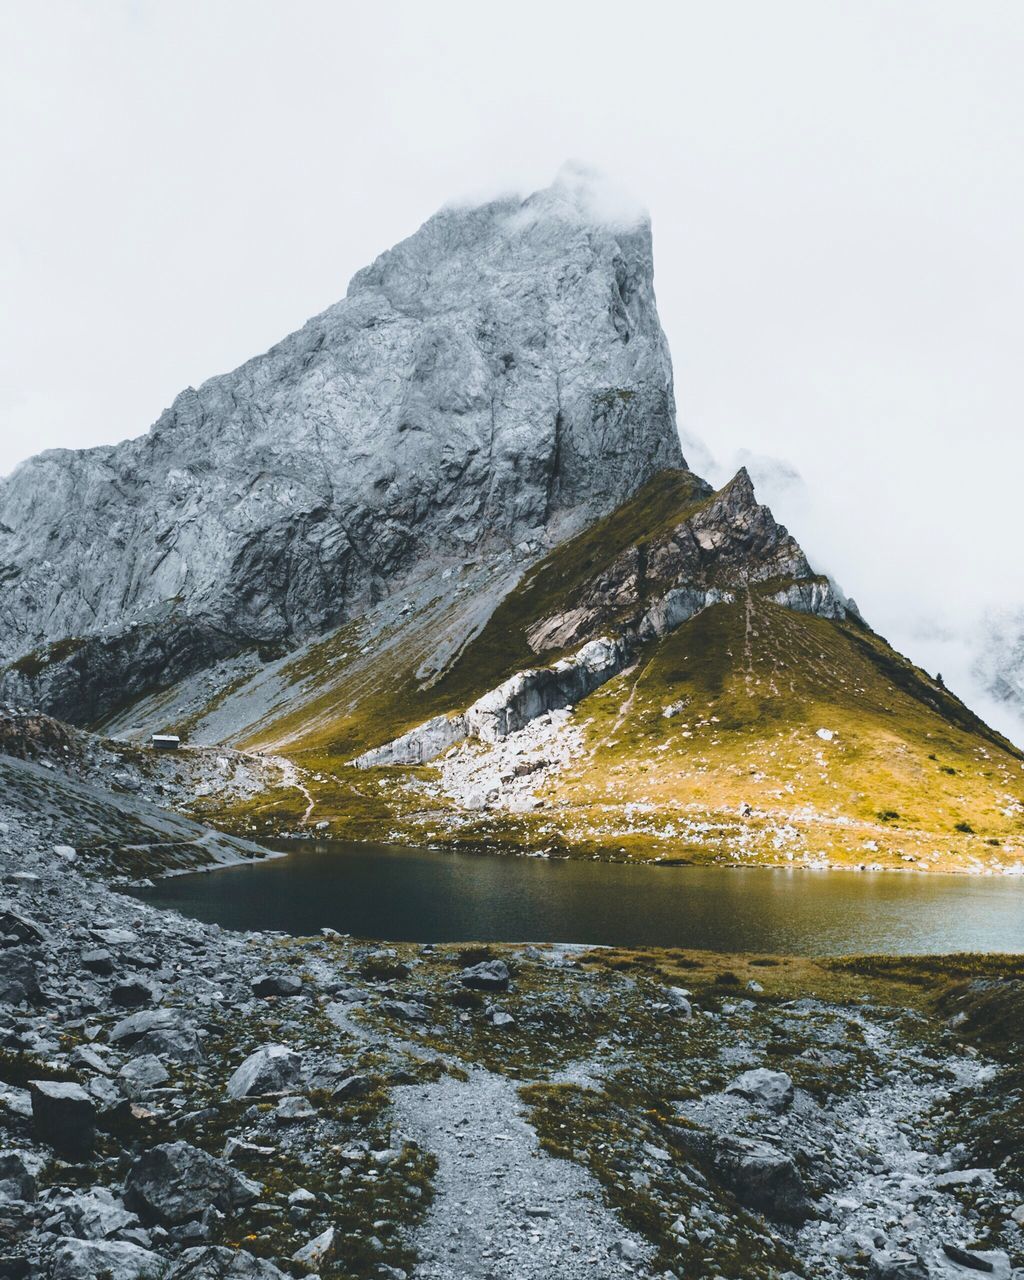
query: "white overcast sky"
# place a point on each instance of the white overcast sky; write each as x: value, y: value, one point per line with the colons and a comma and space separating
x: 837, y: 192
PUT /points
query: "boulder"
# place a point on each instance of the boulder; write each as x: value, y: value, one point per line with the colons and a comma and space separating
x: 64, y: 1115
x: 112, y: 1259
x: 85, y: 1056
x: 174, y: 1182
x: 762, y: 1177
x: 771, y: 1089
x: 19, y: 978
x: 112, y: 937
x: 626, y: 1249
x: 97, y: 1214
x: 679, y: 1002
x: 404, y: 1010
x: 962, y: 1178
x: 142, y: 1073
x: 18, y: 1170
x: 176, y: 1044
x: 136, y: 1025
x: 897, y: 1264
x: 272, y: 1069
x: 15, y: 1102
x: 318, y: 1251
x: 237, y: 1148
x: 293, y: 1110
x: 107, y: 1096
x: 354, y: 1086
x: 133, y: 993
x: 21, y: 927
x: 98, y: 961
x: 214, y: 1263
x: 277, y: 984
x: 991, y: 1262
x: 489, y: 975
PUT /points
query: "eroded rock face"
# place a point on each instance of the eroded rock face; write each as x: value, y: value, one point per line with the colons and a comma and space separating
x: 175, y: 1181
x: 719, y: 546
x: 730, y: 541
x: 499, y: 376
x: 508, y: 707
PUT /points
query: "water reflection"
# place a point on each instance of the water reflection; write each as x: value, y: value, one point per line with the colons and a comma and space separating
x: 379, y: 891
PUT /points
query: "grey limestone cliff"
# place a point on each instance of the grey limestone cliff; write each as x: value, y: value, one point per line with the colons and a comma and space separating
x: 500, y: 377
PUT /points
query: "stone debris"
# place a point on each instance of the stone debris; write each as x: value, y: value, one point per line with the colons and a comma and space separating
x: 296, y: 1094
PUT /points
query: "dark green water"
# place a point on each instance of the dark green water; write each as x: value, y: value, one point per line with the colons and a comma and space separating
x: 379, y: 891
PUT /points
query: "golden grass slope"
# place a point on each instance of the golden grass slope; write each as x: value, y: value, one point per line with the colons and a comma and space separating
x: 902, y: 774
x: 899, y: 775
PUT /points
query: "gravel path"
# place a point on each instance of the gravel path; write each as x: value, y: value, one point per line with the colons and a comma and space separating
x: 503, y: 1208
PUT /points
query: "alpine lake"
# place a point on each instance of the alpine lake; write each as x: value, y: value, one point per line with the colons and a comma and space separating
x: 426, y: 895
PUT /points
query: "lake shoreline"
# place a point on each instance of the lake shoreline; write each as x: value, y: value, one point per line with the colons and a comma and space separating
x: 393, y: 892
x: 294, y: 843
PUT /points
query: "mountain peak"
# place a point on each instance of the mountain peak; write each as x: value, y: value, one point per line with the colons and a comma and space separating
x: 585, y: 195
x: 499, y: 378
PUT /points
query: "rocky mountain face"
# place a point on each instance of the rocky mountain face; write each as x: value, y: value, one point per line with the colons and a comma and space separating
x: 716, y: 547
x: 1000, y: 662
x: 498, y: 380
x: 437, y: 563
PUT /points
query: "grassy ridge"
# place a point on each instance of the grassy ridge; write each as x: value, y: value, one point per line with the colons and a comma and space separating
x: 910, y: 777
x: 757, y: 682
x: 354, y: 708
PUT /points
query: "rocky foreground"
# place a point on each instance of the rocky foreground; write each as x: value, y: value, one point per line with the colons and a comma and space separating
x: 181, y: 1101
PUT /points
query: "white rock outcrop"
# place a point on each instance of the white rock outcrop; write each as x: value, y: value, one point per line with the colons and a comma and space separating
x: 509, y: 707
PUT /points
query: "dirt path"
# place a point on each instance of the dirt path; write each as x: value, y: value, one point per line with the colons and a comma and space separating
x: 292, y: 777
x: 627, y: 706
x: 748, y: 644
x: 504, y: 1209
